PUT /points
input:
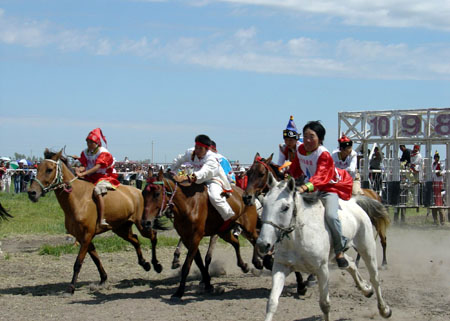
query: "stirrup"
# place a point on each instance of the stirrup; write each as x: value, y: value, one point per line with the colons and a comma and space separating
x: 237, y: 231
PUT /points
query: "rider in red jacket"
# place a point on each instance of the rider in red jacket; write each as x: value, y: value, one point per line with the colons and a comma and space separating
x: 315, y: 162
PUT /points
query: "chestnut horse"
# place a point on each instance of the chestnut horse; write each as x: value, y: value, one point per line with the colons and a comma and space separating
x: 257, y: 178
x: 123, y: 208
x: 195, y: 218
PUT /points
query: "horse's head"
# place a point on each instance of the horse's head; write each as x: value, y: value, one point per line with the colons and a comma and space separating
x: 257, y: 178
x: 154, y: 199
x: 48, y: 174
x: 278, y: 213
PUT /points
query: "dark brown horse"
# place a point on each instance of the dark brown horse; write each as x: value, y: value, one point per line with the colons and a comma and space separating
x: 257, y: 178
x: 195, y: 218
x: 4, y: 215
x: 123, y: 208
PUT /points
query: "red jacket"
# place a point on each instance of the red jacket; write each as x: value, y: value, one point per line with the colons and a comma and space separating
x: 321, y: 174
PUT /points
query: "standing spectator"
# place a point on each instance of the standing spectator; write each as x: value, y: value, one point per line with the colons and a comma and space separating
x: 416, y: 168
x: 2, y: 175
x: 375, y: 163
x: 438, y: 181
x: 241, y: 178
x: 18, y: 178
x: 139, y: 177
x: 7, y: 179
x: 406, y: 155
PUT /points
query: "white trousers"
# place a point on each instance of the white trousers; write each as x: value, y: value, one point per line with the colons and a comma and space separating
x: 219, y: 202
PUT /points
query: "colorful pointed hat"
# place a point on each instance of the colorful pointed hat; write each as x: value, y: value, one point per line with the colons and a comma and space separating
x: 96, y: 135
x: 291, y: 130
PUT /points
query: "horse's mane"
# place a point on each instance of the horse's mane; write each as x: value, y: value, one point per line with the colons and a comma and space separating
x: 310, y: 198
x: 49, y: 154
x: 276, y: 169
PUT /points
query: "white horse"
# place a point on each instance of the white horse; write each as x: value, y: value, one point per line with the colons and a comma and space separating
x: 295, y: 225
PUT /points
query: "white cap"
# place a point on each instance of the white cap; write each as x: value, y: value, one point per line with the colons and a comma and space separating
x: 241, y: 169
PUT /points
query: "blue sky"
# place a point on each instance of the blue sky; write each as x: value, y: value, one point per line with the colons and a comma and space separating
x: 165, y: 71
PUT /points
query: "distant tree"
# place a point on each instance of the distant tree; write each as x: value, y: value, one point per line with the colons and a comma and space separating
x: 19, y: 156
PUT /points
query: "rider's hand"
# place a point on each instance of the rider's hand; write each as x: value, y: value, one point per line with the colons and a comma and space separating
x: 180, y: 178
x: 303, y: 189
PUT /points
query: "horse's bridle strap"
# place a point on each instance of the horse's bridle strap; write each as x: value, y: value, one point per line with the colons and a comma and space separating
x: 57, y: 181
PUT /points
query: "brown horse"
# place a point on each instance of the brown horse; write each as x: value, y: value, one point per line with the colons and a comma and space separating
x: 123, y: 208
x: 194, y: 218
x: 257, y: 178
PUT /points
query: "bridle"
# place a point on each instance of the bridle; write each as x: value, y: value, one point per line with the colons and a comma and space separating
x: 58, y: 181
x: 163, y: 209
x: 285, y: 231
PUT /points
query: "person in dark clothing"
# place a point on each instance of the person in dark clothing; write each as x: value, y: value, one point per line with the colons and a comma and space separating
x: 406, y: 155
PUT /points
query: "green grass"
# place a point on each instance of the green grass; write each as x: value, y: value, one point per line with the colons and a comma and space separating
x: 43, y: 217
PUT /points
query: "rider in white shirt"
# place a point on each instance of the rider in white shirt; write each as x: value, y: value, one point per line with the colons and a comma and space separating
x: 207, y: 169
x: 346, y: 158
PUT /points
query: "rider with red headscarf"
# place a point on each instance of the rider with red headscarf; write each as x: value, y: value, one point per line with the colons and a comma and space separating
x: 98, y: 168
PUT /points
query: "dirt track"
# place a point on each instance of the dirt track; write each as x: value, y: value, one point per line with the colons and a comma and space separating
x: 416, y: 286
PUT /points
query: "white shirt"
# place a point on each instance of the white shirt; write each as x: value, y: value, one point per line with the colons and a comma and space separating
x: 349, y: 164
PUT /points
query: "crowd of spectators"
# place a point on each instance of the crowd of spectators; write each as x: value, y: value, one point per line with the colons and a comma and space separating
x: 16, y: 179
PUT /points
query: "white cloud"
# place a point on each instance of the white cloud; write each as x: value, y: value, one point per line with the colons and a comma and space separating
x: 431, y: 14
x: 242, y: 50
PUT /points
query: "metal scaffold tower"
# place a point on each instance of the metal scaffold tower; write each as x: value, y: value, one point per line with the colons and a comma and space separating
x: 388, y: 130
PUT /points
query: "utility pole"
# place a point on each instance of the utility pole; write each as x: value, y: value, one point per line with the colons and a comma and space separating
x: 152, y: 152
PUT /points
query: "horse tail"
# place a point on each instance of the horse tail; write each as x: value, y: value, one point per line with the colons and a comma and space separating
x: 4, y: 214
x: 377, y: 213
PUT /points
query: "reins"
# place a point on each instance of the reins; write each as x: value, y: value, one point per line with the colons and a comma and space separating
x: 163, y: 209
x: 57, y: 181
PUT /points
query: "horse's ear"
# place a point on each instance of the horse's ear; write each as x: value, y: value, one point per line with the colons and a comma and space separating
x: 160, y: 174
x: 291, y: 184
x: 58, y: 155
x: 256, y: 157
x: 271, y: 181
x: 269, y: 159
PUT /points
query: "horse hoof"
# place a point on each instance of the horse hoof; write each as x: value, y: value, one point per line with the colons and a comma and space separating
x: 368, y: 295
x: 70, y: 290
x: 385, y: 313
x: 158, y: 267
x: 219, y: 290
x: 175, y: 265
x: 301, y: 292
x: 245, y: 268
x: 147, y: 267
x: 175, y: 298
x: 258, y: 265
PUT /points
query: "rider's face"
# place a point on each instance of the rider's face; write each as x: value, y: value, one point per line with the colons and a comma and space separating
x: 346, y: 151
x: 310, y: 140
x: 91, y: 145
x: 290, y: 142
x: 200, y: 151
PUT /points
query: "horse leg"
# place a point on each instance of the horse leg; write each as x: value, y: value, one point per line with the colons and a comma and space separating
x: 192, y: 251
x: 279, y: 274
x: 176, y: 256
x: 383, y: 245
x: 212, y: 245
x: 154, y: 240
x: 94, y: 256
x: 206, y: 278
x: 301, y: 286
x: 84, y: 246
x: 324, y: 297
x: 152, y: 235
x: 126, y: 233
x: 229, y: 237
x: 370, y: 259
